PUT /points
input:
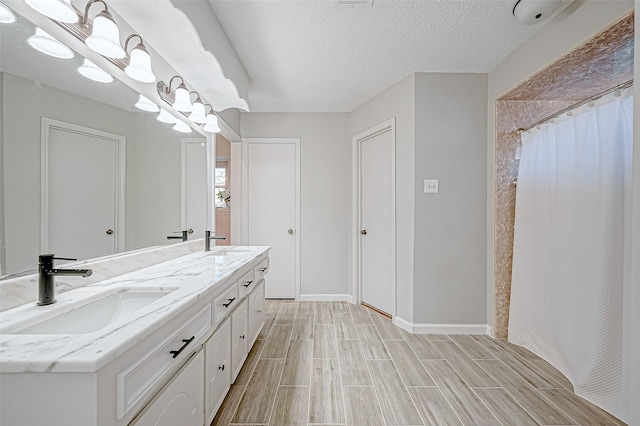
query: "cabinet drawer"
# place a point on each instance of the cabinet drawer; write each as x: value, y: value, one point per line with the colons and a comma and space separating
x: 135, y: 382
x: 261, y: 270
x: 246, y: 283
x: 225, y: 303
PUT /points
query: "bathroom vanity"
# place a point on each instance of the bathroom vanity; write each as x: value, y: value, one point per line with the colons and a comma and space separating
x: 157, y: 346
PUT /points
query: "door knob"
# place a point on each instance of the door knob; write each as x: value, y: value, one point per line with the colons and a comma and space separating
x: 109, y: 231
x: 290, y: 231
x: 363, y: 232
x: 189, y: 231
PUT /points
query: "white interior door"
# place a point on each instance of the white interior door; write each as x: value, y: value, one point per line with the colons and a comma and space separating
x: 377, y: 236
x: 194, y: 186
x: 272, y: 210
x: 82, y: 191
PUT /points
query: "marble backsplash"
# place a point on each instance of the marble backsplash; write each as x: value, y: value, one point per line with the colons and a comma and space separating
x: 601, y: 63
x: 24, y: 289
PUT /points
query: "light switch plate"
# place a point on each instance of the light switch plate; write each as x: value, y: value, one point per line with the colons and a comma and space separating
x: 431, y: 186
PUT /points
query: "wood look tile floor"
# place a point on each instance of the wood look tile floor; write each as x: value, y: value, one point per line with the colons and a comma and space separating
x: 334, y: 363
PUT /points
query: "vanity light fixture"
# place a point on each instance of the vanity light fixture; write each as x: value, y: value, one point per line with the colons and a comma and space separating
x: 165, y: 117
x: 182, y: 127
x: 197, y: 115
x: 139, y: 67
x: 145, y: 104
x: 211, y: 124
x: 58, y: 10
x: 43, y: 42
x: 6, y: 15
x: 94, y: 72
x: 105, y: 35
x: 182, y: 100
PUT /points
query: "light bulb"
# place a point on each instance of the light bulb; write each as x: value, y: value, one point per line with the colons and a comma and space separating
x: 182, y: 127
x: 6, y: 15
x: 197, y: 115
x: 43, y: 42
x: 139, y: 67
x: 211, y: 125
x: 183, y: 100
x: 105, y: 36
x: 95, y: 73
x: 165, y: 117
x: 145, y: 104
x: 58, y: 10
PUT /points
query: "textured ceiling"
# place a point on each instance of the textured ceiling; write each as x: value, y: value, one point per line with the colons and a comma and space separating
x: 313, y: 55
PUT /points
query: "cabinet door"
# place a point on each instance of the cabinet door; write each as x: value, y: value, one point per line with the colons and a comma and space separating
x: 217, y: 352
x: 181, y: 401
x: 256, y: 317
x: 238, y: 338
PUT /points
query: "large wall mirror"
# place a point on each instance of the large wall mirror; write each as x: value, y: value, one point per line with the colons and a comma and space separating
x: 84, y: 172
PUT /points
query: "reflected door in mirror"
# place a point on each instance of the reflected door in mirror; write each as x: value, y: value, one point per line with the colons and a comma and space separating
x: 81, y: 192
x: 194, y: 186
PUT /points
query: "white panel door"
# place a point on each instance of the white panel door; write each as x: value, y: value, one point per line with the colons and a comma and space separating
x: 272, y: 191
x: 217, y: 369
x: 376, y: 222
x: 80, y: 196
x: 181, y: 402
x: 194, y: 186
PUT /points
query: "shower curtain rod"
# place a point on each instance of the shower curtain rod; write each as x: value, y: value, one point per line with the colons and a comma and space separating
x: 579, y: 104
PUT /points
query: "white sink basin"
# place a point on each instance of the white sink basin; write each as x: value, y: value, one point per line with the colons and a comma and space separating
x: 96, y: 314
x: 227, y: 252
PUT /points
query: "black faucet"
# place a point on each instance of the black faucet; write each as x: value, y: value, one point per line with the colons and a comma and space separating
x: 46, y: 272
x: 208, y: 237
x: 175, y: 237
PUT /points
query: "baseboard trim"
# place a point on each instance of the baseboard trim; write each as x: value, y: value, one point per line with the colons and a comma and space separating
x: 441, y: 328
x: 326, y: 298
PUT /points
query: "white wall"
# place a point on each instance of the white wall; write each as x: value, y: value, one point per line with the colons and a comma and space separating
x: 450, y: 232
x: 152, y: 172
x: 634, y: 409
x: 571, y: 28
x: 397, y: 101
x: 325, y: 186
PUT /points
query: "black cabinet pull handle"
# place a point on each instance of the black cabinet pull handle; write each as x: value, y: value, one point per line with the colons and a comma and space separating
x: 186, y: 343
x: 242, y: 337
x: 259, y: 311
x: 248, y: 283
x: 226, y: 305
x: 263, y: 269
x: 221, y: 368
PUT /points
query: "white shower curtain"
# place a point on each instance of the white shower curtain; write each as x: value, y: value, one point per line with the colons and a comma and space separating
x: 571, y: 257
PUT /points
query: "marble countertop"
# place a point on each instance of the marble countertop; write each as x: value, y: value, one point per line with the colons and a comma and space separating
x: 194, y: 276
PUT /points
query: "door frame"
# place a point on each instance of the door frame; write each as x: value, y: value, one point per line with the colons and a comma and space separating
x: 244, y: 221
x: 183, y: 180
x: 356, y: 207
x: 121, y: 149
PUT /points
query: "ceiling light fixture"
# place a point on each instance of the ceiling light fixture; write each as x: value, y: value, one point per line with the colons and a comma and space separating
x: 6, y: 15
x: 197, y: 115
x: 531, y: 12
x: 165, y: 117
x: 182, y: 100
x: 43, y: 42
x: 105, y: 35
x: 58, y: 10
x: 182, y: 127
x: 94, y: 72
x: 145, y: 104
x: 139, y: 67
x: 211, y: 124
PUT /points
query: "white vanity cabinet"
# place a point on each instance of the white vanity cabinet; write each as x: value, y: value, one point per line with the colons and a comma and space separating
x: 217, y: 353
x: 256, y: 315
x: 239, y: 347
x: 174, y: 371
x: 180, y: 402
